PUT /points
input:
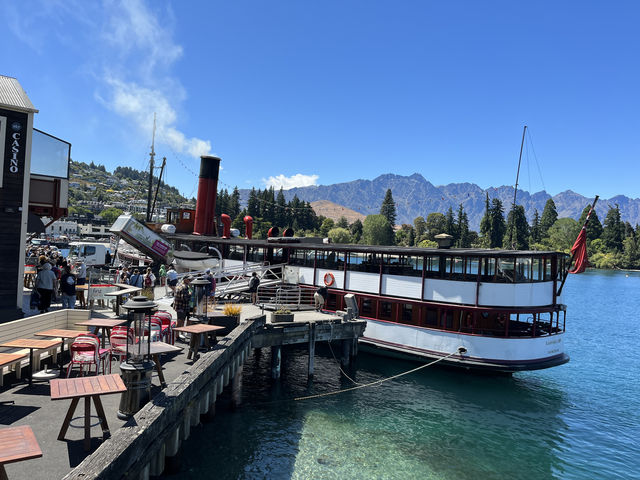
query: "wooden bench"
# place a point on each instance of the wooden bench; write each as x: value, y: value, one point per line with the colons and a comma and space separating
x: 27, y: 327
x: 126, y: 290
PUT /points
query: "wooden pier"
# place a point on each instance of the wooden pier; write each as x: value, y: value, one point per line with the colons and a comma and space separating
x: 149, y: 443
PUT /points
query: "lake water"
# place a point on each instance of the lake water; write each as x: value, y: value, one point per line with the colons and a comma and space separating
x: 577, y: 421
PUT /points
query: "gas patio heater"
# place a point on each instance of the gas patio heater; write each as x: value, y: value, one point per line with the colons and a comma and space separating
x: 200, y: 286
x: 137, y: 367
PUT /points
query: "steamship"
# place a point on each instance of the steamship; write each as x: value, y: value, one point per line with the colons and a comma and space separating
x: 494, y: 310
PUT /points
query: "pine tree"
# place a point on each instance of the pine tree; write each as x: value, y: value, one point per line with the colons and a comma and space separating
x: 534, y: 231
x: 450, y: 225
x: 280, y: 214
x: 517, y: 229
x: 464, y: 239
x: 234, y: 203
x: 613, y: 231
x: 388, y: 208
x: 549, y: 217
x: 594, y: 227
x: 498, y: 227
x: 485, y: 223
x: 253, y: 204
x: 356, y: 230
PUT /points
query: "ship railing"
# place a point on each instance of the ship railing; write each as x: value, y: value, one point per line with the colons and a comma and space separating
x: 235, y: 280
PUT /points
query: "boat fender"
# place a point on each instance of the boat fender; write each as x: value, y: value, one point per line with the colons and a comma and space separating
x: 329, y: 279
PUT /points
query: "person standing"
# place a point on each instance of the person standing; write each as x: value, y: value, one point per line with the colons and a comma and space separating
x: 163, y: 274
x: 172, y: 279
x: 46, y: 283
x: 320, y: 297
x: 149, y: 280
x: 136, y: 279
x: 81, y: 273
x: 182, y: 301
x: 68, y: 287
x: 253, y: 287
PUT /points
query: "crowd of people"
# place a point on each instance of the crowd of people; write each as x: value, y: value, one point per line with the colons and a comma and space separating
x: 56, y: 279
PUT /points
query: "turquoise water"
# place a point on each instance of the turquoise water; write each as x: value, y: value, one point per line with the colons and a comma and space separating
x: 577, y: 421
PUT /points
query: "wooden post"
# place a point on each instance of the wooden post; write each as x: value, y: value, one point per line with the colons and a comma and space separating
x: 312, y: 348
x: 276, y: 353
x: 346, y: 353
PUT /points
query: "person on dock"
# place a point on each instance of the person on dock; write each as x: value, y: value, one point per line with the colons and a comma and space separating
x: 136, y: 279
x: 211, y: 288
x: 81, y: 273
x: 253, y: 287
x: 172, y: 279
x: 46, y: 283
x: 182, y: 301
x: 320, y: 297
x: 163, y: 274
x: 68, y: 288
x: 149, y: 281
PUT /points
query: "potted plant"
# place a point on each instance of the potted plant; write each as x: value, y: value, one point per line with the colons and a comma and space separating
x: 230, y: 318
x: 282, y: 315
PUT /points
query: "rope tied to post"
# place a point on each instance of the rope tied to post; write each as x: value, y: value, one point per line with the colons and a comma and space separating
x: 459, y: 350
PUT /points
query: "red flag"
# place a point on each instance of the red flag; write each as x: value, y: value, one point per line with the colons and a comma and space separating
x: 579, y: 252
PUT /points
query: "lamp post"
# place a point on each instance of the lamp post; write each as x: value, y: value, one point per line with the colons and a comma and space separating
x: 137, y: 367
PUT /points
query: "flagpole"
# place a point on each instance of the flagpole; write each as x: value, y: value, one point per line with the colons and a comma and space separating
x: 584, y: 227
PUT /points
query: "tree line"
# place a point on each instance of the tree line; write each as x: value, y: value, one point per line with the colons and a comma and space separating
x: 610, y: 244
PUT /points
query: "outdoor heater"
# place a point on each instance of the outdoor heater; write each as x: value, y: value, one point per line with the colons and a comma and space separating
x: 200, y: 287
x: 137, y: 367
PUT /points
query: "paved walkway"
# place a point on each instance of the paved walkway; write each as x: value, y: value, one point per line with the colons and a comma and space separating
x: 33, y: 406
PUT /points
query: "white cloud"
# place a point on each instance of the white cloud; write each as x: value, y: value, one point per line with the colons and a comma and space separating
x: 297, y: 180
x: 139, y: 52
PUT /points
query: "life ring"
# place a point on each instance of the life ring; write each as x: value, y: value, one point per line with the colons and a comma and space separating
x: 329, y: 279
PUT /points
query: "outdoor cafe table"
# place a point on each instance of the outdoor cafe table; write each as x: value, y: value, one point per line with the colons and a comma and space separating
x: 157, y: 349
x: 196, y: 330
x: 103, y: 323
x: 32, y: 344
x: 8, y: 359
x: 87, y: 388
x: 62, y: 334
x: 16, y: 444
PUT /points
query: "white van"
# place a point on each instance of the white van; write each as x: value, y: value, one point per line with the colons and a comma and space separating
x: 91, y: 253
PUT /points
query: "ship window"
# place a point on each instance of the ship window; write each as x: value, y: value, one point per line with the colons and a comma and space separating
x: 488, y: 269
x: 236, y: 252
x: 392, y: 264
x: 432, y: 266
x: 277, y: 256
x: 303, y: 258
x: 385, y: 310
x: 255, y: 254
x: 186, y: 215
x: 547, y: 269
x: 523, y: 270
x: 407, y: 313
x: 447, y: 319
x: 506, y: 272
x: 454, y: 268
x: 364, y: 262
x: 471, y: 268
x: 356, y: 262
x: 413, y: 266
x: 536, y: 269
x: 431, y: 317
x: 366, y: 307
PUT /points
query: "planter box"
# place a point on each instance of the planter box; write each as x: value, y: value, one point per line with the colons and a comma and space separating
x: 281, y: 317
x: 229, y: 322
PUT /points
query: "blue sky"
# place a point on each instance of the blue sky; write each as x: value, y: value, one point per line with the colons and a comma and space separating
x: 296, y: 93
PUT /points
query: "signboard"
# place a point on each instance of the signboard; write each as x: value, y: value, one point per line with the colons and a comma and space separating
x: 141, y: 237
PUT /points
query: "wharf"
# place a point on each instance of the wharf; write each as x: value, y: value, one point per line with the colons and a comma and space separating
x: 138, y: 447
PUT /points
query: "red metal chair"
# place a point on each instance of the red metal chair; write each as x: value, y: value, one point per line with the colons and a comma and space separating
x: 118, y: 340
x: 85, y: 350
x: 167, y: 325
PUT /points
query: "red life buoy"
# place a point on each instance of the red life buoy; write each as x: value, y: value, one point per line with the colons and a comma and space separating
x: 329, y: 279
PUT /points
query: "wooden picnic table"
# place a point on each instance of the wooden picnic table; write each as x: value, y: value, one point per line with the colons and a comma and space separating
x: 62, y: 334
x: 16, y: 444
x: 196, y: 330
x: 106, y: 324
x: 32, y: 344
x: 87, y: 388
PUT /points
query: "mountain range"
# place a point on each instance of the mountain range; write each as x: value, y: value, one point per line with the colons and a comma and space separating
x: 416, y: 196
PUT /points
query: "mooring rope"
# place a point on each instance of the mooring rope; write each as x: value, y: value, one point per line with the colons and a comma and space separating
x: 378, y: 382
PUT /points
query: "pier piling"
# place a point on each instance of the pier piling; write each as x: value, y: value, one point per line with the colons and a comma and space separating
x: 276, y: 357
x: 312, y: 348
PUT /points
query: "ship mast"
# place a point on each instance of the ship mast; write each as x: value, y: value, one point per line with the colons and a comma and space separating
x: 515, y: 192
x: 151, y: 155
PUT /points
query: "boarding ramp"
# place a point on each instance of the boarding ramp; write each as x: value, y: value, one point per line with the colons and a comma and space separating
x: 232, y: 283
x: 285, y: 296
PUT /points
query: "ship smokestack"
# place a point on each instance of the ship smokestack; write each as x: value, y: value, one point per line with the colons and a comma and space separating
x: 248, y: 222
x: 207, y: 193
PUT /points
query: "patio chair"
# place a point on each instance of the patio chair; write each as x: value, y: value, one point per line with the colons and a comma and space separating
x: 85, y: 350
x: 118, y: 340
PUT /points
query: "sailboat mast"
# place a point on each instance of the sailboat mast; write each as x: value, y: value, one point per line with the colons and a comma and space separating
x: 515, y: 191
x: 151, y: 155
